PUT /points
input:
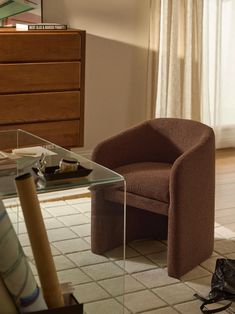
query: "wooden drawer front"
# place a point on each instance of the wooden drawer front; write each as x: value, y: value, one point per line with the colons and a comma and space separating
x: 63, y: 133
x: 39, y: 107
x: 30, y: 77
x: 21, y: 47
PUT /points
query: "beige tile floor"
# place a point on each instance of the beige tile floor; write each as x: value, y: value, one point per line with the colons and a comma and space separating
x: 98, y: 280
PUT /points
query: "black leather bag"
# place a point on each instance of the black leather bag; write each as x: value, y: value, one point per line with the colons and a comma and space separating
x: 222, y: 286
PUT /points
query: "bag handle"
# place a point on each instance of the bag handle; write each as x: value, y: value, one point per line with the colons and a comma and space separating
x: 211, y: 301
x: 217, y: 310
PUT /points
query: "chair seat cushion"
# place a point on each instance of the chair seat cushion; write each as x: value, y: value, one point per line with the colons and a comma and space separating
x: 147, y: 179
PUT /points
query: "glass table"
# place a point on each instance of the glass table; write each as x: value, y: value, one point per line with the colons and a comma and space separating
x: 86, y: 231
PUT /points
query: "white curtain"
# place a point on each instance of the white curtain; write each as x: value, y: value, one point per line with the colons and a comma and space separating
x: 191, y: 70
x: 175, y: 43
x: 218, y: 70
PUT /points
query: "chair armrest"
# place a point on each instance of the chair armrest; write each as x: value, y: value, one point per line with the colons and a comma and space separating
x: 193, y: 173
x: 191, y: 208
x: 192, y: 191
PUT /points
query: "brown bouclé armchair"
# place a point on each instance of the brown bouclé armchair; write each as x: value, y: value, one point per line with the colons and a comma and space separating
x: 169, y: 167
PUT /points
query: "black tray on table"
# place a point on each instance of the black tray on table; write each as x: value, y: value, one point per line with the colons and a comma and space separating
x: 50, y: 173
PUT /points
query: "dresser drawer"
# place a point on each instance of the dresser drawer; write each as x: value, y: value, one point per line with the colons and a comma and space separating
x: 33, y: 77
x: 62, y: 133
x: 42, y: 84
x: 39, y: 107
x: 40, y: 46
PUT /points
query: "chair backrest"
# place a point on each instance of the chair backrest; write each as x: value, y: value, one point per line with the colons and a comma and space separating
x: 172, y: 136
x: 156, y: 140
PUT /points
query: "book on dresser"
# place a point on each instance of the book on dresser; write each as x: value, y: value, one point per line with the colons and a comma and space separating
x: 40, y: 26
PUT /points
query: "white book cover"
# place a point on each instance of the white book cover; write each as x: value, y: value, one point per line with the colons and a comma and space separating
x: 38, y: 26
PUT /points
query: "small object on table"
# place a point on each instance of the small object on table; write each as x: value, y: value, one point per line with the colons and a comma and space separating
x: 3, y: 155
x: 67, y: 169
x: 68, y: 164
x: 42, y: 163
x: 34, y: 151
x: 7, y: 164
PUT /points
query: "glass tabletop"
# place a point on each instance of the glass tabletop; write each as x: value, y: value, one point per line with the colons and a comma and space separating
x: 28, y: 150
x: 86, y: 231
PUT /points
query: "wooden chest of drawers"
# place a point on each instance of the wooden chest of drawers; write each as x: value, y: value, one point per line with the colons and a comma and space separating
x: 42, y: 84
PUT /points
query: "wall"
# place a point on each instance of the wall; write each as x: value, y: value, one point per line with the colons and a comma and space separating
x: 116, y: 60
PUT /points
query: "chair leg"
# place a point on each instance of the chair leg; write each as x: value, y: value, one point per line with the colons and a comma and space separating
x: 107, y: 224
x: 142, y: 224
x: 189, y: 244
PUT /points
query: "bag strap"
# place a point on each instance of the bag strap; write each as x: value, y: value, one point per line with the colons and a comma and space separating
x: 217, y: 310
x: 211, y: 301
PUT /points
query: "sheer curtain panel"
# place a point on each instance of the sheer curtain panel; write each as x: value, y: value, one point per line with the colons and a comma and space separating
x: 175, y: 58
